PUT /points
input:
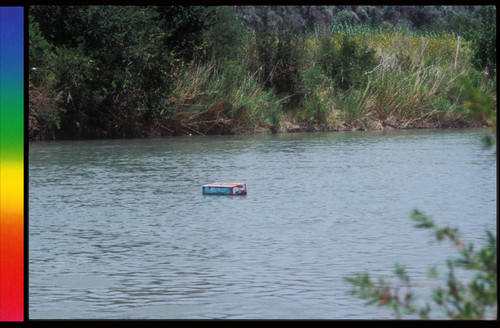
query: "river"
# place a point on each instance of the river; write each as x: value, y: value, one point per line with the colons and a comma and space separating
x: 119, y: 229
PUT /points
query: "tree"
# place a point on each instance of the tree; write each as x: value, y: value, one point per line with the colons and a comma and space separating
x: 110, y: 66
x: 185, y: 26
x: 347, y: 63
x: 225, y: 34
x: 44, y: 112
x: 464, y: 24
x: 484, y: 40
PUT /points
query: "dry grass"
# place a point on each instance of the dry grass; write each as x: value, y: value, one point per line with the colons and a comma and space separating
x: 416, y: 83
x: 211, y: 100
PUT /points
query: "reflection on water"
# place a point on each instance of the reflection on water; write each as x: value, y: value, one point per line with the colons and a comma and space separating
x: 120, y: 229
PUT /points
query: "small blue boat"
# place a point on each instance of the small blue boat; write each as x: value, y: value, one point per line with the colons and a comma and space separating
x: 225, y: 188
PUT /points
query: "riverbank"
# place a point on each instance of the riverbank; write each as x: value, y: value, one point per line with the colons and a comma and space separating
x: 350, y: 77
x: 286, y: 126
x: 210, y: 100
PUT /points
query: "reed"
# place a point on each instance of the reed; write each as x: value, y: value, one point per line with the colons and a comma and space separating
x: 211, y: 99
x: 416, y: 83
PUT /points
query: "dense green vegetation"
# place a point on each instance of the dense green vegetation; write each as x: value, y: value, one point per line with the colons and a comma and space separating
x: 138, y: 71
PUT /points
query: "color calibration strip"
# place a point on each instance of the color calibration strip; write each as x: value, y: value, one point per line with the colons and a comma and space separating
x: 11, y: 164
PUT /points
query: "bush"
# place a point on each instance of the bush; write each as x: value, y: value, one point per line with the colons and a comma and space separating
x: 225, y: 35
x: 279, y: 58
x: 113, y: 69
x: 44, y: 112
x: 317, y: 96
x: 484, y: 40
x: 184, y: 27
x: 287, y: 61
x: 464, y: 24
x: 265, y: 48
x: 346, y: 60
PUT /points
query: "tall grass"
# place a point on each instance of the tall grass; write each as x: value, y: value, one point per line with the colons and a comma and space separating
x: 415, y: 82
x: 224, y: 99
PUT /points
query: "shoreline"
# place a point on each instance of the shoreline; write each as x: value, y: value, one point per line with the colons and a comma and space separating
x: 350, y: 76
x: 290, y: 128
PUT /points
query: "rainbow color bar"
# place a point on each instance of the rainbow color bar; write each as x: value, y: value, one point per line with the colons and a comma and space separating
x: 11, y: 164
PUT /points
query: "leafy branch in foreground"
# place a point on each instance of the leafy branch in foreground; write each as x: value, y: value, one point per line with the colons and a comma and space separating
x: 476, y: 299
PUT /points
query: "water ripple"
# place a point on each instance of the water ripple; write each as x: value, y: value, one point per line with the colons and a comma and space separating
x: 119, y: 229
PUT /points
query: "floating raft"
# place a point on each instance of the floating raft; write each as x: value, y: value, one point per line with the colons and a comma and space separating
x: 225, y: 188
